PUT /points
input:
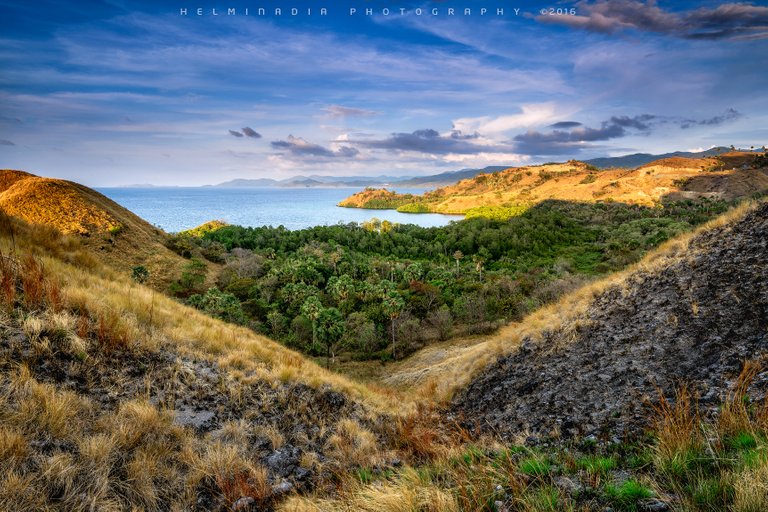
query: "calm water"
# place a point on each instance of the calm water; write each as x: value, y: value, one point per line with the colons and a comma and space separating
x: 177, y: 209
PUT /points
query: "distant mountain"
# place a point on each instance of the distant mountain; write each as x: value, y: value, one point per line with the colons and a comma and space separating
x: 315, y: 180
x: 245, y: 183
x: 638, y: 159
x: 447, y: 178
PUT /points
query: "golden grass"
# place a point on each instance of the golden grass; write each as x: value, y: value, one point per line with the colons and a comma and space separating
x: 574, y: 181
x: 113, y: 235
x: 751, y: 489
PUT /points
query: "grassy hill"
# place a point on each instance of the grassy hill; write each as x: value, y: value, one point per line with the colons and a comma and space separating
x: 508, y: 192
x: 116, y: 397
x: 111, y: 233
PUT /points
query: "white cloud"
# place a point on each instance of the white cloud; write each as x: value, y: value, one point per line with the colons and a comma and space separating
x: 530, y: 115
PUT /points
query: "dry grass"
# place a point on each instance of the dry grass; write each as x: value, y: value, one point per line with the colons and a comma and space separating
x: 116, y: 312
x: 60, y: 447
x: 686, y: 178
x: 114, y: 235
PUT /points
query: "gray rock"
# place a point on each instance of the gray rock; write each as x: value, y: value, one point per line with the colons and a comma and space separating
x: 191, y: 418
x: 283, y: 461
x: 283, y: 487
x: 654, y: 505
x: 243, y: 503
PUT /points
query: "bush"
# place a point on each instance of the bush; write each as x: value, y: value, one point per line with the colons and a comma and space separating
x: 219, y: 304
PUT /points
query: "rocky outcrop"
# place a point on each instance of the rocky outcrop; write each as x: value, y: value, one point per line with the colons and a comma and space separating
x: 694, y: 320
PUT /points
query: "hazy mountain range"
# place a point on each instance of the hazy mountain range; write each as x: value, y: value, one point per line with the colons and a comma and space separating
x: 435, y: 180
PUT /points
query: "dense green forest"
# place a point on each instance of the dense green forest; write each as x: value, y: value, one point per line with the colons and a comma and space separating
x: 382, y: 290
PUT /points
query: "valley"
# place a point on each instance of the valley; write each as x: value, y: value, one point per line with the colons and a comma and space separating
x: 576, y: 355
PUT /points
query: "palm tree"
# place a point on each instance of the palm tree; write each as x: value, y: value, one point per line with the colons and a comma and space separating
x: 457, y: 256
x: 312, y: 308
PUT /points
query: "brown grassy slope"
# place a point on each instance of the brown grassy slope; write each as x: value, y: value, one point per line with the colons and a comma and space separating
x: 112, y: 233
x: 721, y: 177
x: 114, y: 397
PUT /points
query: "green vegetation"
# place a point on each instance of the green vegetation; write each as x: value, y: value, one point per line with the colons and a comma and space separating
x: 384, y: 290
x: 497, y: 213
x: 414, y: 208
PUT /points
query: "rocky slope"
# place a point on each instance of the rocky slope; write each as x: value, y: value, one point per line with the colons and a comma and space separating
x: 728, y: 176
x: 692, y: 320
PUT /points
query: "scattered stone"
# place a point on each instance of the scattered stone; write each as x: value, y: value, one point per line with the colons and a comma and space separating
x: 199, y: 420
x: 283, y: 487
x: 654, y: 505
x: 243, y: 503
x: 283, y: 461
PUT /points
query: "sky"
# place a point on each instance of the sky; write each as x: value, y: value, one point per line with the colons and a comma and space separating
x: 118, y: 92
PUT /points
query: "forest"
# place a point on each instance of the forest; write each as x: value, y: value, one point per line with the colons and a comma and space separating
x: 382, y: 290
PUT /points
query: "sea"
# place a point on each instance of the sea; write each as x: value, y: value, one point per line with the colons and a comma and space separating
x: 175, y: 209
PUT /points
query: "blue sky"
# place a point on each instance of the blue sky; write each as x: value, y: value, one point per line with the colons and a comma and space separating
x: 121, y: 92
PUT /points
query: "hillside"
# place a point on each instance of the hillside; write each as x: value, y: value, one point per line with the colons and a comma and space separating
x: 691, y: 314
x: 113, y: 397
x: 110, y: 232
x: 727, y: 176
x: 638, y: 159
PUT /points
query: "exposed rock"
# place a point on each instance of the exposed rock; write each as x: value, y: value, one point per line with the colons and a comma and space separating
x: 283, y: 461
x: 694, y: 320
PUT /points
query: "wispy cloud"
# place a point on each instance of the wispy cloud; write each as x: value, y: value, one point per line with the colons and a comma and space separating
x: 296, y: 146
x: 726, y: 21
x: 235, y: 133
x: 4, y: 142
x: 730, y: 114
x: 572, y: 139
x: 529, y: 115
x: 429, y: 141
x: 251, y: 133
x: 339, y: 111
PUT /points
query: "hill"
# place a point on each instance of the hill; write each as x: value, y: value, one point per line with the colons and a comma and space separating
x: 110, y: 232
x: 507, y: 192
x: 638, y: 159
x: 113, y: 397
x: 691, y: 314
x: 446, y: 178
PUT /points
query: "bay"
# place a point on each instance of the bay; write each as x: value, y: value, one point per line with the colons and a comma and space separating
x: 175, y: 209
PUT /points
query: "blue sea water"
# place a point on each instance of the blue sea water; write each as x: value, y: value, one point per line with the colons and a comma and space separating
x: 176, y: 209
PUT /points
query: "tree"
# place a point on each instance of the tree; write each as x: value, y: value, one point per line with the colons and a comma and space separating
x: 393, y: 305
x: 457, y: 256
x: 140, y: 274
x: 311, y: 309
x: 277, y: 322
x: 330, y: 327
x: 360, y: 332
x: 219, y: 304
x: 341, y: 287
x: 192, y: 278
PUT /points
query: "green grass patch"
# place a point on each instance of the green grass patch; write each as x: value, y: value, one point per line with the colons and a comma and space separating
x: 537, y: 467
x: 626, y: 495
